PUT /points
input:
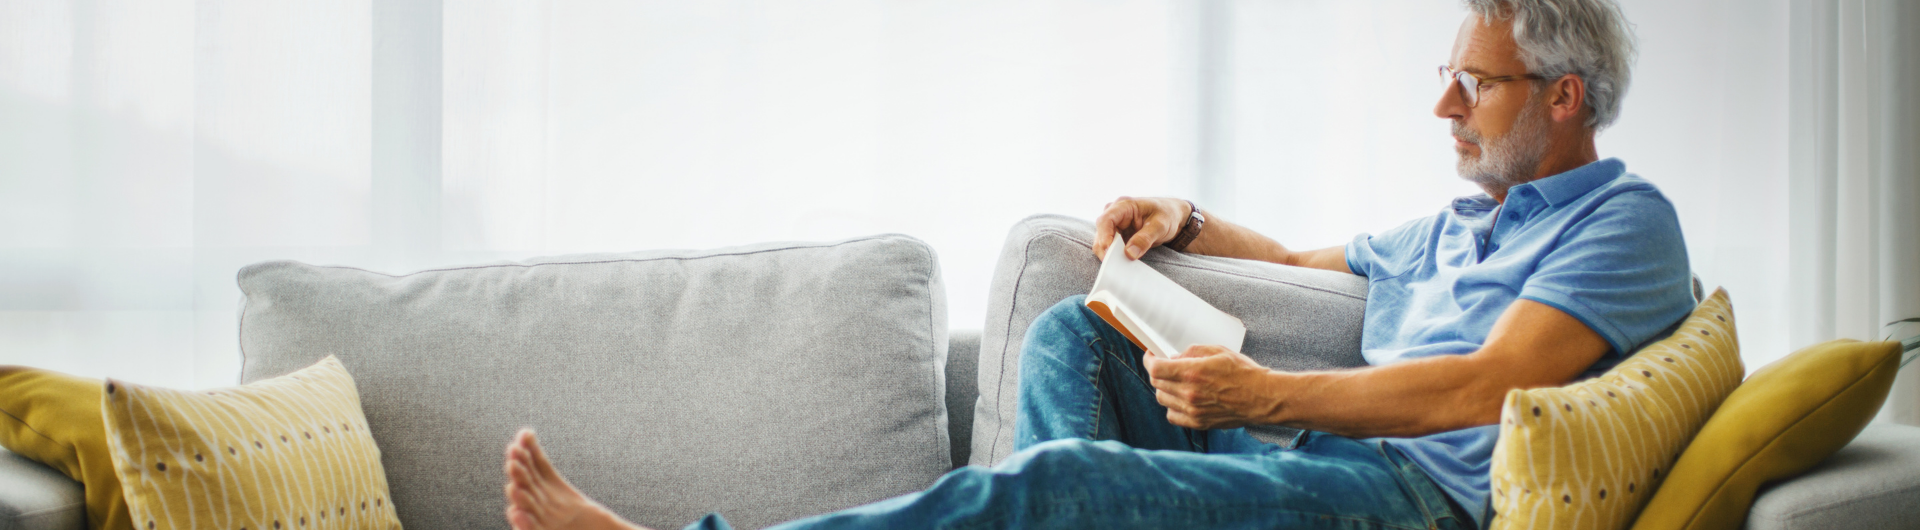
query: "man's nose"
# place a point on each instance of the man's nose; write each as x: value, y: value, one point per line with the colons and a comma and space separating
x: 1452, y: 104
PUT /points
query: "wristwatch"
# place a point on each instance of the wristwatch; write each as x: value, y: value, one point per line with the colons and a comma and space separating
x: 1190, y: 230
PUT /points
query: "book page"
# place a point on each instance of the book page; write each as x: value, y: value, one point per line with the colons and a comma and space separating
x: 1160, y: 315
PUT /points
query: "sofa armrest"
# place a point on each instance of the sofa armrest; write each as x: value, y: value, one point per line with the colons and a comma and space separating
x: 1873, y: 482
x: 35, y: 497
x: 1297, y: 318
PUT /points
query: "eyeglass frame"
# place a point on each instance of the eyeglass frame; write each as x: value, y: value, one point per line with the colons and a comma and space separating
x: 1471, y: 95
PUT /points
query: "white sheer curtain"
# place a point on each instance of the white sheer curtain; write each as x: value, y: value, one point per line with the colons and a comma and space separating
x: 630, y: 125
x: 148, y: 149
x: 1855, y: 209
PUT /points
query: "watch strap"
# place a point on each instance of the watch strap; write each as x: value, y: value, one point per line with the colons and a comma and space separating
x: 1190, y: 230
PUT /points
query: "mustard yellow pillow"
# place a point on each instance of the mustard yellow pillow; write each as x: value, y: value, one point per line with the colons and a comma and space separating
x: 288, y: 453
x: 1787, y: 417
x: 54, y: 419
x: 1589, y: 454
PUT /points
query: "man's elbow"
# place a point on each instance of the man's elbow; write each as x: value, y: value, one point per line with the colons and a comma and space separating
x: 1480, y: 400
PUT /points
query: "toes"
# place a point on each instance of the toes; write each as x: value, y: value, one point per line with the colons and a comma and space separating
x: 520, y: 476
x: 521, y: 482
x: 520, y: 519
x: 538, y: 455
x: 525, y: 501
x: 519, y: 442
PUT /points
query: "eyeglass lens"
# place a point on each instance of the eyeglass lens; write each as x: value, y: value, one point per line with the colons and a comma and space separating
x: 1469, y: 86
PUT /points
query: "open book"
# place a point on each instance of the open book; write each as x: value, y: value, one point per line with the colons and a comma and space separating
x: 1156, y: 314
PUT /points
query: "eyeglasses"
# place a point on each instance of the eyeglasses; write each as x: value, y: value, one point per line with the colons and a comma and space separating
x: 1470, y: 84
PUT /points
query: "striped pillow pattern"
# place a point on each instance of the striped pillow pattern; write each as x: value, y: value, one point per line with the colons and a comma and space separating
x: 1589, y: 455
x: 288, y: 453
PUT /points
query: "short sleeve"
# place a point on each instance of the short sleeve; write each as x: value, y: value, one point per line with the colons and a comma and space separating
x: 1622, y: 270
x: 1391, y: 253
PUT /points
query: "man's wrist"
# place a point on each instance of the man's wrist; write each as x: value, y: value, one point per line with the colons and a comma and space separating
x: 1279, y: 385
x: 1297, y: 259
x: 1189, y: 228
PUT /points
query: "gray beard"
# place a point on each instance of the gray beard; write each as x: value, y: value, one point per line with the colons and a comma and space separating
x: 1511, y: 159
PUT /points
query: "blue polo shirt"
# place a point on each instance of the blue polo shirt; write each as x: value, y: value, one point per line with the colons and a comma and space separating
x: 1595, y: 242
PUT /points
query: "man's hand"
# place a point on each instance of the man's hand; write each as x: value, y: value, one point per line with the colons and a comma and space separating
x: 1211, y: 387
x: 1144, y: 223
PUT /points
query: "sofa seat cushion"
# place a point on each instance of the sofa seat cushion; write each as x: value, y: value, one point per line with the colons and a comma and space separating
x: 35, y: 497
x: 765, y: 382
x: 1873, y: 482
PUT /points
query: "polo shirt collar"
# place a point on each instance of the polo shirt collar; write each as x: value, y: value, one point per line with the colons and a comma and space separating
x: 1560, y: 189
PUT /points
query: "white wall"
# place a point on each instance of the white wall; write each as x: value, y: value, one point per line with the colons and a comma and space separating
x: 1333, y: 131
x: 148, y: 149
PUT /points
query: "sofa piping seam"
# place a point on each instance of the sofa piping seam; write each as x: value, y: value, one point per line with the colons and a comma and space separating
x: 796, y: 246
x: 1026, y: 258
x: 242, y: 334
x: 937, y: 367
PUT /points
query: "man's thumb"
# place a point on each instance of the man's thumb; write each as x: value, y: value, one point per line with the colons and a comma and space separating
x: 1138, y: 244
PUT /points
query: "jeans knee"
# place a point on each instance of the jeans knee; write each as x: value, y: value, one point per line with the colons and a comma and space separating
x: 1065, y: 328
x: 1070, y: 456
x: 1070, y: 312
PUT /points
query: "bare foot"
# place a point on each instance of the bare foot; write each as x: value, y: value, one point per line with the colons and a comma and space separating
x: 538, y: 498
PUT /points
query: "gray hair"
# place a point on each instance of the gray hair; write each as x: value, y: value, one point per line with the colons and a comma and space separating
x: 1588, y: 38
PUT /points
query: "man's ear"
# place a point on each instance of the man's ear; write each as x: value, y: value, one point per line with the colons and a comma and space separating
x: 1567, y: 98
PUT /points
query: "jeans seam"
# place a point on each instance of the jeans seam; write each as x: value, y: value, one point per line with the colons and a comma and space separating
x: 1093, y: 379
x: 1143, y: 378
x: 1106, y: 355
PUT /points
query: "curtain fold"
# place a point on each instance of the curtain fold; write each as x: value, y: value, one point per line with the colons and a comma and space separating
x: 151, y: 148
x: 1855, y: 203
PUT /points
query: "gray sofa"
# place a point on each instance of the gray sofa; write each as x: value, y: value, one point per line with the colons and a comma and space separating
x: 771, y: 381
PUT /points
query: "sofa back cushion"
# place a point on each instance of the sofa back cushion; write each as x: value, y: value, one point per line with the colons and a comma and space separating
x: 765, y: 382
x: 1297, y: 319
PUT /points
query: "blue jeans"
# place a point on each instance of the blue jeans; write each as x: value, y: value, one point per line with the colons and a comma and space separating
x: 1095, y: 451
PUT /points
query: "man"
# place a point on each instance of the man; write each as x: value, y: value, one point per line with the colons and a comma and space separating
x: 1563, y: 267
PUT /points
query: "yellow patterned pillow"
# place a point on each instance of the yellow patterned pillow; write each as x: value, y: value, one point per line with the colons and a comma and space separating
x: 1589, y: 454
x: 288, y: 453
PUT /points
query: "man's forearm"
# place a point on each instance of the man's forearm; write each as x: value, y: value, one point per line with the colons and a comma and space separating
x: 1413, y: 398
x: 1225, y: 239
x: 1531, y: 345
